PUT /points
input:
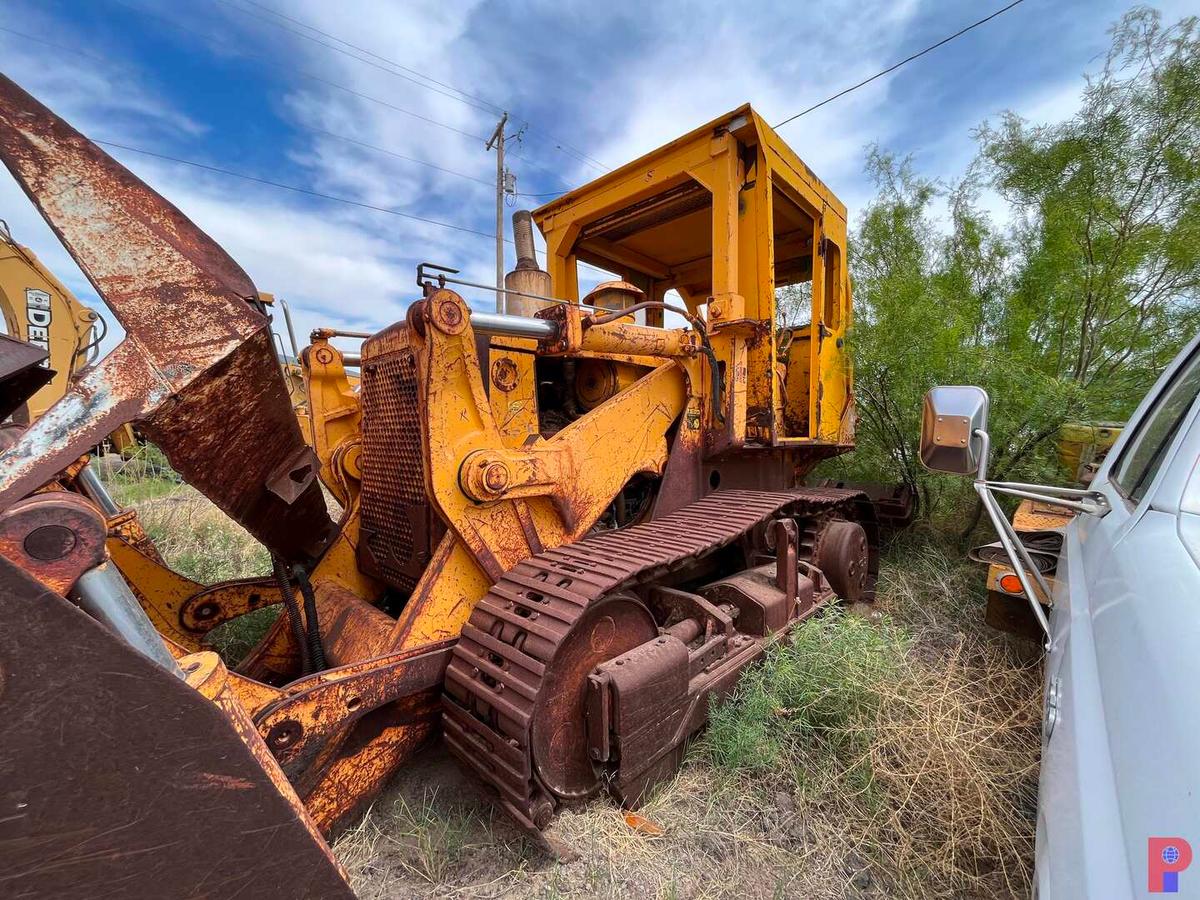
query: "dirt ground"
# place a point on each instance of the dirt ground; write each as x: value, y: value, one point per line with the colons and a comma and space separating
x: 432, y: 835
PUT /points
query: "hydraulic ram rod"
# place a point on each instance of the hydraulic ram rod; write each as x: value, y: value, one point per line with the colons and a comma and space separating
x: 609, y: 336
x: 513, y: 326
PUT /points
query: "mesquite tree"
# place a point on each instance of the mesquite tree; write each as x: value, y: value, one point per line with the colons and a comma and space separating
x: 1071, y: 311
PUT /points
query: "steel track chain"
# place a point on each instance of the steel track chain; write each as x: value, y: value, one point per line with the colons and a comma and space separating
x: 495, y: 675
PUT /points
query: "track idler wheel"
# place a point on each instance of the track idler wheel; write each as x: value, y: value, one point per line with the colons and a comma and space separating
x: 843, y: 555
x: 610, y: 627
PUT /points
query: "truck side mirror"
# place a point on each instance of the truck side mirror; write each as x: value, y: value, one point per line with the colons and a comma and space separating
x: 951, y: 422
x: 954, y: 439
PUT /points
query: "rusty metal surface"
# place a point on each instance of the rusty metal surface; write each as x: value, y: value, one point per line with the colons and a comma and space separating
x: 102, y: 788
x: 197, y: 368
x: 399, y: 528
x: 225, y: 601
x: 558, y: 731
x: 843, y: 556
x: 354, y: 768
x: 504, y: 660
x: 298, y: 726
x: 1034, y: 515
x: 21, y: 374
x: 763, y: 607
x: 54, y: 536
x: 895, y: 504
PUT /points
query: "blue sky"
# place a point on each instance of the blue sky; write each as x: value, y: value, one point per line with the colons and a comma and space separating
x: 233, y: 84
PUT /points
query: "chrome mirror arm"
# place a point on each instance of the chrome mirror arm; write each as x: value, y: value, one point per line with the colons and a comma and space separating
x: 1093, y: 503
x: 1022, y: 563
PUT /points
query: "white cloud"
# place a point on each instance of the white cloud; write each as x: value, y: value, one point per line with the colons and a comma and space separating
x: 631, y: 76
x: 732, y: 58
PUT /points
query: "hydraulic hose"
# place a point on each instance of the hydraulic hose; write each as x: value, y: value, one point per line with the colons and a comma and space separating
x: 316, y: 650
x: 292, y: 611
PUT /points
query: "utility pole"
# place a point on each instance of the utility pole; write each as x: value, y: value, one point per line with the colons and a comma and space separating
x: 497, y: 141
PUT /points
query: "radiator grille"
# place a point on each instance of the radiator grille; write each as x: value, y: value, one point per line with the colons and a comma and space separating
x: 399, y: 529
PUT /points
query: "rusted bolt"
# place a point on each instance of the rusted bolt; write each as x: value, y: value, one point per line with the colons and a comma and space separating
x: 504, y: 374
x: 449, y: 313
x: 206, y: 611
x: 495, y: 477
x: 50, y: 542
x: 324, y: 355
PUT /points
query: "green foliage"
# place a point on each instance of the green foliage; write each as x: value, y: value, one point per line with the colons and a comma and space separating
x: 1073, y: 311
x: 140, y: 475
x: 1108, y: 205
x: 237, y: 637
x: 818, y: 689
x: 209, y: 550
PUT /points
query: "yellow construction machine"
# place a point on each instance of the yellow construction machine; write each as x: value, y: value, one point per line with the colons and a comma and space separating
x: 38, y: 309
x: 564, y: 529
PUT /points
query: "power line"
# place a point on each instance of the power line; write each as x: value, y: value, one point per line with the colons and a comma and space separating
x: 307, y: 128
x: 230, y: 173
x: 468, y: 99
x: 51, y: 44
x: 349, y: 140
x: 290, y: 187
x: 902, y: 62
x: 492, y: 107
x: 294, y: 188
x: 488, y: 106
x: 333, y: 84
x: 421, y: 162
x: 303, y: 74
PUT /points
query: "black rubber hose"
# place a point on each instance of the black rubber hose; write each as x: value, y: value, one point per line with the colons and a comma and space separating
x: 316, y: 650
x: 292, y: 611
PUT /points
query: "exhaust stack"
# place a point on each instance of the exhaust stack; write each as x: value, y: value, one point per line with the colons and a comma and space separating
x: 527, y: 277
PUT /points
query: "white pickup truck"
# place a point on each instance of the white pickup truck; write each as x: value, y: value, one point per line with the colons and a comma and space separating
x: 1119, y: 802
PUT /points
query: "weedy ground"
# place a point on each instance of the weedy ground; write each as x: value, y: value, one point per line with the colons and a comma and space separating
x: 891, y: 755
x: 880, y: 755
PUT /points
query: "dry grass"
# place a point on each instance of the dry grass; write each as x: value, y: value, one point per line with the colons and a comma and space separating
x: 893, y: 755
x: 194, y: 537
x: 954, y: 761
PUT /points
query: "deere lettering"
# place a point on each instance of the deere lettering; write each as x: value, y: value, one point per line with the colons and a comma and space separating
x: 37, y: 314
